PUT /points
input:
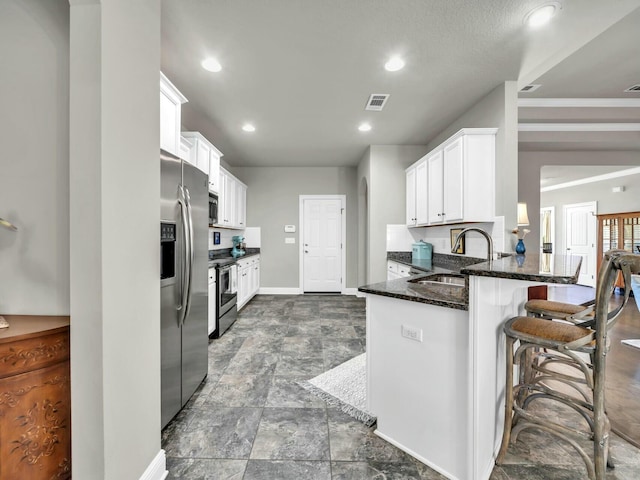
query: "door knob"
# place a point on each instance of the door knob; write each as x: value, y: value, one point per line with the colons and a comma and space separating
x: 306, y: 251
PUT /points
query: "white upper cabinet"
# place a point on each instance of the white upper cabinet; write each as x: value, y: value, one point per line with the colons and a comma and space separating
x: 417, y: 193
x: 435, y: 188
x: 411, y: 196
x: 452, y: 182
x: 171, y: 101
x: 459, y: 182
x: 184, y: 151
x: 206, y: 157
x: 241, y: 204
x: 231, y: 201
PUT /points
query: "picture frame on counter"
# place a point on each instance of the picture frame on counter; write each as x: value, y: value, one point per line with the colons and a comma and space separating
x: 454, y: 233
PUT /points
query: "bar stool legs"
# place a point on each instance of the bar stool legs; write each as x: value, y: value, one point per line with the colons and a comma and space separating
x: 548, y: 351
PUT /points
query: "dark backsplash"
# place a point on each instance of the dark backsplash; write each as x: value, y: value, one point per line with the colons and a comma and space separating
x: 443, y: 260
x: 226, y: 252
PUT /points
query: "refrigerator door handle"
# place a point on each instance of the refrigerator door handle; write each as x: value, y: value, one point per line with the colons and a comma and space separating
x: 190, y: 256
x: 184, y: 283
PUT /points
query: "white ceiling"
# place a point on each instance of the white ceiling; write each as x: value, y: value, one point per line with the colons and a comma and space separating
x: 602, y: 69
x: 303, y: 70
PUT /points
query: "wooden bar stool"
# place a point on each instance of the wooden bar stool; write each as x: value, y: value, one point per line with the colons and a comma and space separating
x: 581, y: 351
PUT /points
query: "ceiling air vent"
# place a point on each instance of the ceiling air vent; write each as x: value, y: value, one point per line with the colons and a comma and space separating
x: 376, y: 101
x: 530, y: 88
x: 633, y: 88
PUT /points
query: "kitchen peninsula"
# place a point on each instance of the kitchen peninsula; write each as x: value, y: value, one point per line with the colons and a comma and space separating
x: 436, y: 357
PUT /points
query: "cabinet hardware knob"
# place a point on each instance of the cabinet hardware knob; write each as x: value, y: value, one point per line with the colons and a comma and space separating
x: 306, y: 251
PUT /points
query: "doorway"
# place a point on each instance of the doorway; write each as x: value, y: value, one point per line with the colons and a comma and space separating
x: 322, y: 243
x: 579, y: 222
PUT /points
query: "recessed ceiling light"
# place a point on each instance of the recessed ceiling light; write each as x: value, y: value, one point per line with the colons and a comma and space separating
x: 247, y: 127
x: 394, y: 64
x: 211, y: 64
x: 364, y: 127
x: 541, y: 15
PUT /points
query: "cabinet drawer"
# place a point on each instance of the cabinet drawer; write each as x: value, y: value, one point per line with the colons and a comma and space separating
x: 392, y: 267
x: 32, y: 353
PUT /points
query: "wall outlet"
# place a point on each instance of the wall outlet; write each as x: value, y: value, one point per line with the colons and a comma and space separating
x: 290, y: 240
x: 412, y: 333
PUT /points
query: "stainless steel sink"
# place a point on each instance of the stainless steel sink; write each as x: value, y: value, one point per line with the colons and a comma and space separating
x: 442, y: 279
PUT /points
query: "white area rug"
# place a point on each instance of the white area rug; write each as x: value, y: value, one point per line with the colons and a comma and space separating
x: 345, y: 387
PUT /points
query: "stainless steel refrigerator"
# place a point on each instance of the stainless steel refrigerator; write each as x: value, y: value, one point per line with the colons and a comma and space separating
x: 184, y: 214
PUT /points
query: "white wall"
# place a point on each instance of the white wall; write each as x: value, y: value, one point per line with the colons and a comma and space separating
x: 273, y: 202
x: 34, y: 133
x: 364, y: 194
x: 607, y: 201
x: 401, y: 239
x: 114, y: 216
x: 530, y: 163
x: 383, y: 169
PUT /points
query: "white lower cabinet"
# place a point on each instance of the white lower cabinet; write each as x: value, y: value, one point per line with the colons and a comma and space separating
x: 397, y: 270
x: 248, y: 279
x: 212, y: 301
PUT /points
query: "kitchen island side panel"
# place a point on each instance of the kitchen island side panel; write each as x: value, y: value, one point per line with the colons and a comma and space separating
x: 419, y: 390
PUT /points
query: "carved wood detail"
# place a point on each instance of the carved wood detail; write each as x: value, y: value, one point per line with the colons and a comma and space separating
x: 24, y: 357
x: 35, y: 408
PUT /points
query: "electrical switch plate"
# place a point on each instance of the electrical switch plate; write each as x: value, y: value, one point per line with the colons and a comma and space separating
x: 290, y: 240
x: 290, y: 229
x: 412, y: 333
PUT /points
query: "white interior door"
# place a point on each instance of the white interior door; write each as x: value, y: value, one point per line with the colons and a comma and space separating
x: 580, y: 238
x: 322, y: 245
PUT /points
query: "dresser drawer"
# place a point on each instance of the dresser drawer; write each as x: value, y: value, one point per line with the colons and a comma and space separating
x: 33, y: 353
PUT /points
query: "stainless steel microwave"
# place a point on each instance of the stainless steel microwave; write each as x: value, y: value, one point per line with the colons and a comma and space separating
x: 213, y: 209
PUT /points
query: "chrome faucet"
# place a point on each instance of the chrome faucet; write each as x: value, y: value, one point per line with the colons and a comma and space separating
x: 479, y: 230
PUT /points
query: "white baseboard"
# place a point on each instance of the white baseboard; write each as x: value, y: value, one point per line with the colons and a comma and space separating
x: 279, y: 291
x: 157, y: 469
x: 350, y: 291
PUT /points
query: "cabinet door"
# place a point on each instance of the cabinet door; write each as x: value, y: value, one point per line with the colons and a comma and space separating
x: 223, y: 200
x: 212, y: 302
x: 435, y: 208
x: 230, y: 202
x: 169, y: 123
x: 255, y: 278
x: 202, y: 156
x: 241, y: 205
x: 411, y: 196
x: 422, y: 214
x: 214, y: 172
x: 243, y: 285
x: 453, y: 181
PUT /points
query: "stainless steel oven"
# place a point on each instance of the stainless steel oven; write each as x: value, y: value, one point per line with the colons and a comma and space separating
x: 226, y: 297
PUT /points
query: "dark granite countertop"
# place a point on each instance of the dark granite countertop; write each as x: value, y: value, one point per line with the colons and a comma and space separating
x: 532, y: 267
x: 403, y: 289
x: 440, y: 295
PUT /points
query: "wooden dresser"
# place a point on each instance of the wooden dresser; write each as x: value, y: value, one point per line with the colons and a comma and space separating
x: 35, y: 398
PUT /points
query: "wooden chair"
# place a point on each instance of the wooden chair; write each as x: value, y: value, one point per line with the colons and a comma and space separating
x: 541, y: 345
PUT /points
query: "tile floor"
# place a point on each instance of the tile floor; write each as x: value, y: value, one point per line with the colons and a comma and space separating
x: 250, y: 420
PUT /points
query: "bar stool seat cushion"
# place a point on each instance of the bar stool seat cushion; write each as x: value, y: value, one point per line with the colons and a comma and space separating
x: 547, y: 330
x: 549, y: 306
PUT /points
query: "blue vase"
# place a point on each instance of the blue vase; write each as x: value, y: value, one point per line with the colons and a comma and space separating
x: 520, y: 247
